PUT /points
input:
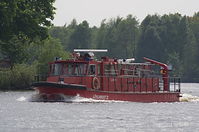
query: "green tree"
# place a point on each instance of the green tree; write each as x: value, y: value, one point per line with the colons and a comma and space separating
x: 169, y: 39
x: 15, y: 49
x: 119, y: 36
x: 50, y: 49
x: 127, y: 34
x: 23, y: 19
x: 150, y: 41
x: 81, y: 37
x: 189, y: 52
x: 194, y: 25
x: 63, y: 33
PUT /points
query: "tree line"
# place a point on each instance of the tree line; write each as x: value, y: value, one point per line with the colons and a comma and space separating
x: 29, y: 40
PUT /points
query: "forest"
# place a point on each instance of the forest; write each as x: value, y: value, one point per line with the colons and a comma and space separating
x: 29, y: 40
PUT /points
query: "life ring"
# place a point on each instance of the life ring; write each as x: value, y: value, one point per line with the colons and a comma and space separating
x: 96, y: 83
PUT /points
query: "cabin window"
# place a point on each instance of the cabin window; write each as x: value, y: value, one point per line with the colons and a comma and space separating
x: 74, y: 69
x: 68, y: 69
x: 91, y: 70
x: 56, y: 69
x: 79, y: 69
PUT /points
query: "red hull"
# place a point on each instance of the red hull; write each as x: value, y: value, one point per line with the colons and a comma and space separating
x: 122, y: 96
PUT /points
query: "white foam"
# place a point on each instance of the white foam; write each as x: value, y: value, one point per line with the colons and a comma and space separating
x: 188, y: 98
x: 21, y: 99
x: 79, y: 99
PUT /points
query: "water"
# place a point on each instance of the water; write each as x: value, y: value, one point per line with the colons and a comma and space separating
x: 18, y: 114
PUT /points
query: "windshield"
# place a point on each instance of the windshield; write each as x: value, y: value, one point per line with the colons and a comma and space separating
x: 68, y: 69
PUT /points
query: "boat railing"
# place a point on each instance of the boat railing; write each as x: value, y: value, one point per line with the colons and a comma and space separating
x: 146, y: 84
x: 129, y: 83
x: 175, y: 83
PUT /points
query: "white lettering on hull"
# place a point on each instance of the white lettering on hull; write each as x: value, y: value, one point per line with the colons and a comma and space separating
x: 101, y: 97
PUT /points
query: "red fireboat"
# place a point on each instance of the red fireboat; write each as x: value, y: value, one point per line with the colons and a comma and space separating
x: 108, y: 79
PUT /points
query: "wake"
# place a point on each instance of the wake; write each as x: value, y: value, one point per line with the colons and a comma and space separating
x: 188, y: 98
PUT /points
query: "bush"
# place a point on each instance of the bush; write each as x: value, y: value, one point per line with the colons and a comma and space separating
x: 19, y: 77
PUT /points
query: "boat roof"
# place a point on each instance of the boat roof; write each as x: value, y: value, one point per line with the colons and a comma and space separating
x: 111, y: 61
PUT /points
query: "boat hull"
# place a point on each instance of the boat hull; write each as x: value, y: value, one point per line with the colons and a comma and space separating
x: 109, y: 95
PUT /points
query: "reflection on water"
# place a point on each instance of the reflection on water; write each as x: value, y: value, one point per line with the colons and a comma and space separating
x: 18, y: 114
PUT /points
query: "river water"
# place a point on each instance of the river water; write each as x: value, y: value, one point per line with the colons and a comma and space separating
x: 18, y: 114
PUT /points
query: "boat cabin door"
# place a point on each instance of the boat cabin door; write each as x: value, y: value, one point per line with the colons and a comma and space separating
x: 93, y: 74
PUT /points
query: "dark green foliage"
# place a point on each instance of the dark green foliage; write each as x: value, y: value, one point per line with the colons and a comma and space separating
x: 169, y: 39
x: 194, y: 30
x: 25, y: 17
x: 22, y: 21
x: 73, y: 36
x: 150, y: 42
x: 15, y: 49
x: 119, y: 36
x: 81, y: 37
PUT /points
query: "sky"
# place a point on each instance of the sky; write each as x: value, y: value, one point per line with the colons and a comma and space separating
x: 94, y: 11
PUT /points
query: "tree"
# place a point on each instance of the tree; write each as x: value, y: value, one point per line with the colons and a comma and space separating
x: 81, y: 37
x: 50, y: 49
x: 189, y: 52
x: 15, y: 49
x: 24, y: 19
x: 63, y: 33
x: 194, y: 26
x: 169, y: 39
x: 150, y: 41
x: 127, y: 33
x: 119, y: 36
x: 7, y: 16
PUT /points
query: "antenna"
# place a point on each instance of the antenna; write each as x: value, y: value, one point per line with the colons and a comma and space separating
x: 90, y: 50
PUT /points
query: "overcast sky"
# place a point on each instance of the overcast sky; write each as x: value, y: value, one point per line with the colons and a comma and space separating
x: 94, y: 11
